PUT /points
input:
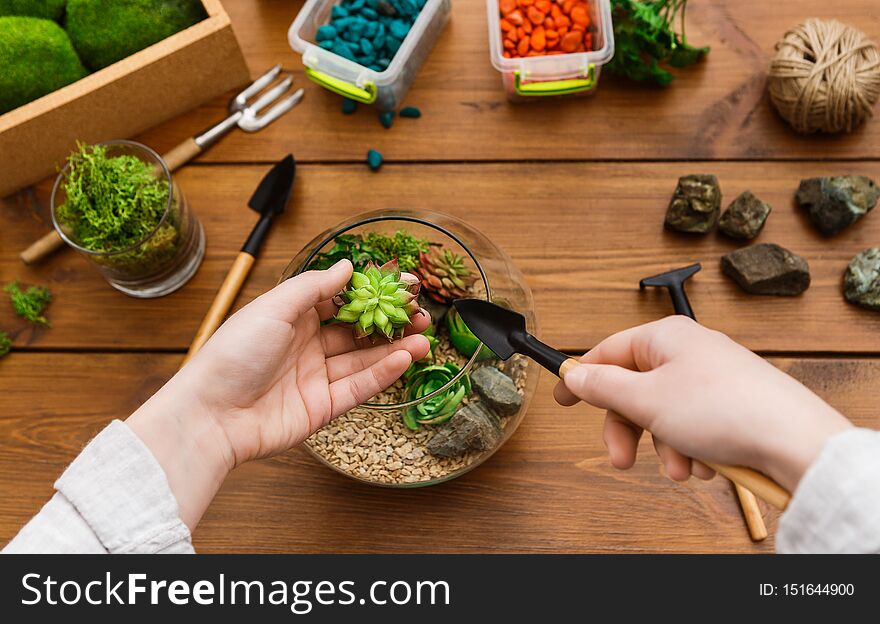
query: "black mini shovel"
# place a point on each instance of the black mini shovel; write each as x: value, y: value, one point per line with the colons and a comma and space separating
x: 269, y: 200
x: 504, y: 331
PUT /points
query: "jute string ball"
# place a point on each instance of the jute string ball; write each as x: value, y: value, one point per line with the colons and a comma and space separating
x: 825, y: 77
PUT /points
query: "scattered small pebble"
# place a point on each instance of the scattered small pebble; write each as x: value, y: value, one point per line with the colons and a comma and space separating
x: 374, y: 159
x: 411, y: 112
x: 386, y: 119
x: 348, y: 106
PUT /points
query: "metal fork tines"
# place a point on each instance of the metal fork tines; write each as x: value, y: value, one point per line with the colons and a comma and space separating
x: 245, y: 114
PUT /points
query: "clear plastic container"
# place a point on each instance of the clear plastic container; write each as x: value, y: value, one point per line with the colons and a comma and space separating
x: 536, y: 77
x: 385, y: 89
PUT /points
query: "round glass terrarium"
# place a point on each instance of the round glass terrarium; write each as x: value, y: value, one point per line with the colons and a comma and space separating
x: 372, y: 443
x: 166, y: 256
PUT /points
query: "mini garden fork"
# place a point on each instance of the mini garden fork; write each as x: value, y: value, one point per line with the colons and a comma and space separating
x: 245, y: 116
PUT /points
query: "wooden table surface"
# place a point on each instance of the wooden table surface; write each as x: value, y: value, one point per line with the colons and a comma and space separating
x: 575, y: 191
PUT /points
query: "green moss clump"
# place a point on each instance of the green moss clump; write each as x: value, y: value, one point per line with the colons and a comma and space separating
x: 47, y: 9
x: 106, y: 31
x: 36, y: 58
x: 5, y: 344
x: 113, y: 202
x: 117, y: 203
x: 29, y: 304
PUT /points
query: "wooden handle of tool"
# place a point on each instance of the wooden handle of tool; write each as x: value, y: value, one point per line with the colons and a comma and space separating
x: 752, y: 513
x: 763, y: 487
x: 41, y: 248
x: 181, y: 154
x: 222, y: 302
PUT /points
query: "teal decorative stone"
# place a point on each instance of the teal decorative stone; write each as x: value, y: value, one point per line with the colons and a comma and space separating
x: 349, y: 106
x: 861, y: 281
x: 411, y: 112
x: 369, y: 29
x: 374, y: 159
x: 386, y: 119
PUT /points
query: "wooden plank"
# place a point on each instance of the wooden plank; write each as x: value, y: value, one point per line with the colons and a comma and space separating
x: 550, y: 489
x: 583, y: 234
x: 717, y: 110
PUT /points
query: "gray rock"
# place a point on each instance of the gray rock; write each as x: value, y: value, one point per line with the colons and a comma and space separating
x: 473, y: 428
x: 767, y: 269
x: 836, y: 203
x: 745, y: 217
x: 497, y: 390
x: 861, y: 282
x: 695, y: 204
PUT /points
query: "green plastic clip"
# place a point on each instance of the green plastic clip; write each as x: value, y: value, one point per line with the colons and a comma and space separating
x: 555, y: 87
x: 367, y: 95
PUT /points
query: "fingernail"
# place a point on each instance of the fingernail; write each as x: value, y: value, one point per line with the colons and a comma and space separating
x: 576, y: 377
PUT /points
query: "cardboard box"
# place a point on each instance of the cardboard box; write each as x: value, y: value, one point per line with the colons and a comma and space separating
x: 164, y: 80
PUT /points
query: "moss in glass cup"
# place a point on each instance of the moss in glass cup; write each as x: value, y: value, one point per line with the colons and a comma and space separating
x: 119, y: 204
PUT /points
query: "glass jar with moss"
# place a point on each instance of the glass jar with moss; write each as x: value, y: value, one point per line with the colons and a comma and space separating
x: 117, y: 204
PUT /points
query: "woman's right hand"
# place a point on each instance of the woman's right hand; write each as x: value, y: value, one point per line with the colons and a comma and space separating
x: 703, y: 396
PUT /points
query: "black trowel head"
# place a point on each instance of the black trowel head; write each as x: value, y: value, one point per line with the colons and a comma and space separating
x: 492, y: 324
x: 273, y: 193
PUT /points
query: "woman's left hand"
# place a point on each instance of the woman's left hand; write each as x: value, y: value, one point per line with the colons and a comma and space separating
x: 270, y: 377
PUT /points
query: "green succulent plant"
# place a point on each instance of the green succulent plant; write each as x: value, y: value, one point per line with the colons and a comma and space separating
x: 379, y: 300
x: 463, y: 339
x: 438, y: 409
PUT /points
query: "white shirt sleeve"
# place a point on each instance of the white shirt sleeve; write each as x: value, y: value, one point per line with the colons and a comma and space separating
x: 836, y: 508
x: 113, y: 498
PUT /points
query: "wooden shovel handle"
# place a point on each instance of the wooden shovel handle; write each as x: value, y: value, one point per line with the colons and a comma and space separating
x: 181, y: 154
x: 222, y: 302
x: 762, y: 486
x: 751, y: 513
x: 41, y: 248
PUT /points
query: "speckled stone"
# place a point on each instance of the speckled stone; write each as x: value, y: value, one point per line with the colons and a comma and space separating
x: 745, y: 217
x: 861, y: 281
x: 767, y: 269
x: 497, y: 390
x: 695, y: 204
x: 835, y: 203
x: 473, y: 428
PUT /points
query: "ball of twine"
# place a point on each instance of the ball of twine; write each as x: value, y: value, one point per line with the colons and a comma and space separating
x: 825, y: 77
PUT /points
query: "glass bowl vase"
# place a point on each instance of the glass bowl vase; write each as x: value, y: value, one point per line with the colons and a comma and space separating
x: 371, y: 443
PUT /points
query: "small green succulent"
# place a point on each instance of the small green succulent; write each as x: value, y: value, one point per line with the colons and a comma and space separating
x: 463, y: 339
x: 438, y: 409
x: 379, y: 300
